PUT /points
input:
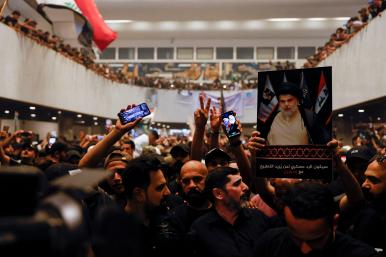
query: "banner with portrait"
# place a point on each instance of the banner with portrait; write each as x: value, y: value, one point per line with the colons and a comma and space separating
x: 294, y: 110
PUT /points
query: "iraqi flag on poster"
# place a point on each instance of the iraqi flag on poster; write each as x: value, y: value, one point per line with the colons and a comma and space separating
x: 84, y: 14
x: 268, y: 103
x: 323, y: 94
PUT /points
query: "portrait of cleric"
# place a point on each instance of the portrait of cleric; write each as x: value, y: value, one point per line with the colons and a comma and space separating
x: 295, y: 106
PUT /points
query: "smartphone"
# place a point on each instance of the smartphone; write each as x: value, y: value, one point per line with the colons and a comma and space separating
x: 229, y: 124
x: 52, y: 140
x: 134, y: 113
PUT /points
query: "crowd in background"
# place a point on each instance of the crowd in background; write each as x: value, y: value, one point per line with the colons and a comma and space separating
x: 85, y: 57
x: 343, y: 34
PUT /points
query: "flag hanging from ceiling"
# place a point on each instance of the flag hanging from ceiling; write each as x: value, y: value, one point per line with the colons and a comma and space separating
x: 102, y: 34
x: 268, y: 103
x: 323, y: 94
x: 89, y: 24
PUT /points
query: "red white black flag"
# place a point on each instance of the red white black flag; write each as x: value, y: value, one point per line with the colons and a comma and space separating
x: 323, y: 94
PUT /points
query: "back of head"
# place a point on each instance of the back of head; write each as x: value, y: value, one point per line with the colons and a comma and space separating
x: 218, y: 178
x: 137, y: 173
x: 310, y: 201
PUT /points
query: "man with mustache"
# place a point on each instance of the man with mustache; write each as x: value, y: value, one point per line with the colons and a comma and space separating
x: 369, y: 219
x: 228, y: 229
x: 294, y: 125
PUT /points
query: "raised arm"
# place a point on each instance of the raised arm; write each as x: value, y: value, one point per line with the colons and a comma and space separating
x: 354, y: 195
x: 261, y: 185
x: 215, y: 124
x: 100, y: 150
x: 200, y: 120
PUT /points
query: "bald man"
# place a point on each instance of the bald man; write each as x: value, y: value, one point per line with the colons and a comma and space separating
x: 192, y: 180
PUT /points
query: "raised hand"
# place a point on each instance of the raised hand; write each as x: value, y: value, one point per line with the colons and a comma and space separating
x: 201, y: 115
x: 215, y: 120
x: 128, y: 126
x: 256, y: 143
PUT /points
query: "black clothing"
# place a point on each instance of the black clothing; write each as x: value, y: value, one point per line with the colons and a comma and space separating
x: 212, y: 236
x: 117, y: 234
x: 367, y: 225
x: 279, y: 243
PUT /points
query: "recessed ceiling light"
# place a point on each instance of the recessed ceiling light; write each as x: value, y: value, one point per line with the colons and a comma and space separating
x: 6, y: 111
x: 163, y: 125
x: 340, y: 115
x: 59, y: 112
x: 95, y: 118
x: 158, y: 124
x: 118, y: 21
x: 379, y: 118
x: 79, y: 115
x: 33, y: 115
x: 53, y: 118
x: 168, y: 126
x: 341, y: 18
x: 283, y: 19
x: 96, y: 123
x: 317, y: 19
x: 32, y: 108
x: 361, y: 110
x: 82, y: 121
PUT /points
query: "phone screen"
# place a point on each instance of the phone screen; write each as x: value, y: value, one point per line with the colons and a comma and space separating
x: 228, y: 120
x: 138, y: 111
x: 52, y: 140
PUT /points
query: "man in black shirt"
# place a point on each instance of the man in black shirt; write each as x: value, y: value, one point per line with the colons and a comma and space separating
x: 311, y: 228
x: 228, y: 229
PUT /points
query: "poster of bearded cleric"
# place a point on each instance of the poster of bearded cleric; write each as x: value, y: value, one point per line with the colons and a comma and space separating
x: 294, y: 112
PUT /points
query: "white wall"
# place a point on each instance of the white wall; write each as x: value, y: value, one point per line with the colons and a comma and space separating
x: 358, y: 67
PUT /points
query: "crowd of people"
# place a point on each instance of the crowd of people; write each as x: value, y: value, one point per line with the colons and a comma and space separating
x: 122, y: 75
x: 199, y: 195
x: 343, y: 35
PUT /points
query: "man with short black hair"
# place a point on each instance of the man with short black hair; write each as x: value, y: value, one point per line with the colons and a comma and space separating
x: 310, y: 213
x: 228, y: 229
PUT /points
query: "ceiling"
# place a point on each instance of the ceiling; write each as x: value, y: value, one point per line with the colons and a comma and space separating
x: 223, y: 19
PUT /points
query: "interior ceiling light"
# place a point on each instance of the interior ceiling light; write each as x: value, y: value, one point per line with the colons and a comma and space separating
x: 340, y: 115
x: 317, y: 19
x: 6, y: 111
x: 96, y: 123
x: 118, y: 21
x: 283, y: 19
x: 79, y: 115
x: 32, y: 107
x: 95, y: 118
x: 361, y: 110
x: 341, y: 18
x: 53, y: 118
x: 33, y: 115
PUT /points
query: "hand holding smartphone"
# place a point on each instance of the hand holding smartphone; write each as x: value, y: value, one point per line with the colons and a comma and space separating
x: 134, y: 113
x: 229, y: 124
